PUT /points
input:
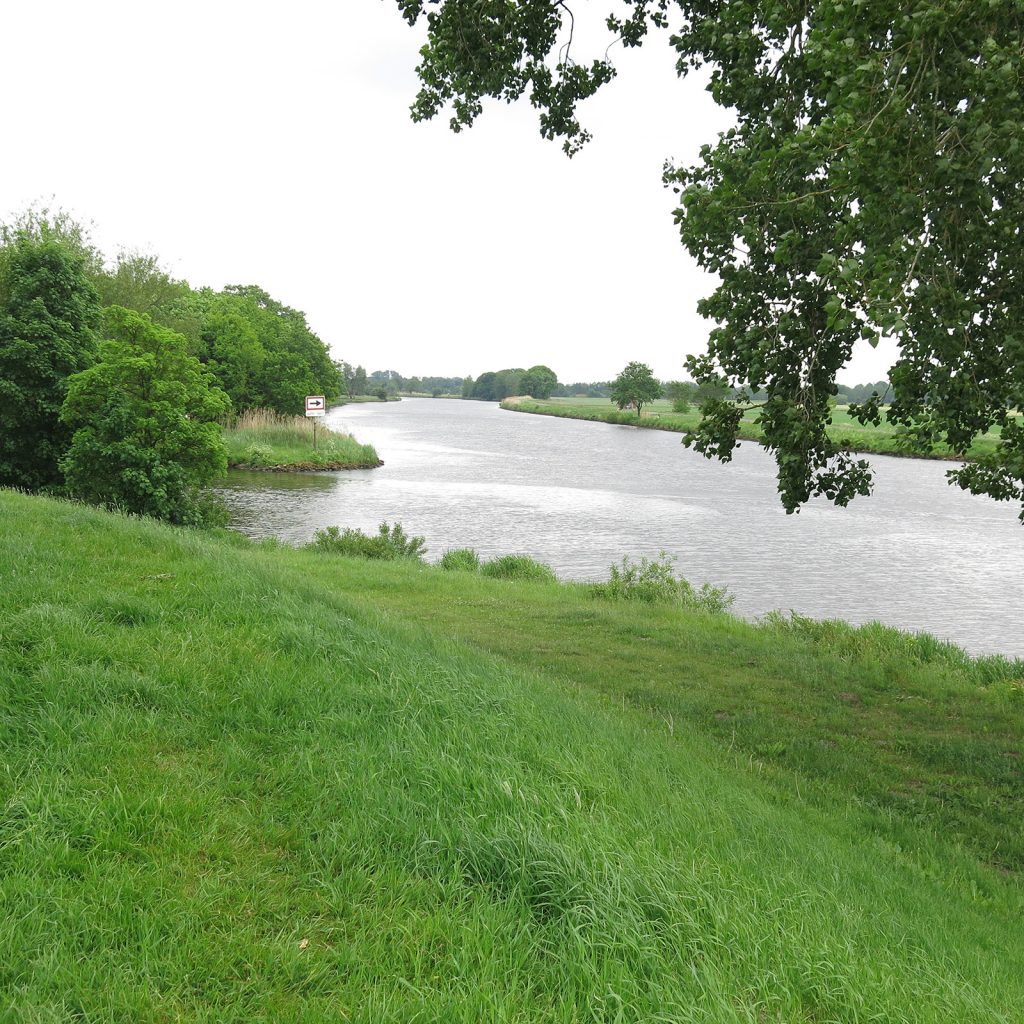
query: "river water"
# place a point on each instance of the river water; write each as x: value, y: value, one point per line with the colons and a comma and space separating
x: 917, y: 554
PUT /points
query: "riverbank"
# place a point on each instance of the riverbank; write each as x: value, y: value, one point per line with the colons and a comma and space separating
x: 265, y: 441
x: 376, y: 791
x: 845, y: 430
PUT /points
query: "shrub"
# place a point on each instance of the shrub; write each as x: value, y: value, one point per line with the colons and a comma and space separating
x: 258, y: 454
x: 460, y: 560
x: 656, y: 580
x: 518, y: 567
x: 390, y: 543
x: 144, y: 422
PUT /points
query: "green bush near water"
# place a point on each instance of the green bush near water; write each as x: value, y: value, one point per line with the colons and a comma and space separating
x: 518, y: 567
x: 460, y: 560
x: 390, y: 542
x: 656, y: 580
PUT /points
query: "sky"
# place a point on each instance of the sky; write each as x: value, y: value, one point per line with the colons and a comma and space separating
x: 271, y: 144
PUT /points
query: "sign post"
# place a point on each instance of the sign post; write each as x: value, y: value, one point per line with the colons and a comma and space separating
x: 316, y: 405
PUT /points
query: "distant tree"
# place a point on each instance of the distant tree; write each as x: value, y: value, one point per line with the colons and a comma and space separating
x: 681, y: 393
x: 485, y: 387
x: 508, y: 382
x: 880, y: 392
x: 582, y: 389
x: 145, y: 421
x: 48, y: 309
x: 359, y: 382
x: 467, y: 387
x: 343, y: 369
x: 539, y: 381
x: 635, y: 386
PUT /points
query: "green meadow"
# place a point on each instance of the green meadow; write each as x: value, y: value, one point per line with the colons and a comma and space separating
x: 264, y: 439
x: 881, y: 440
x: 243, y: 782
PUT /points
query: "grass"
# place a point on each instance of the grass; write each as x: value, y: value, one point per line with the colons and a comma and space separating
x: 264, y: 439
x: 881, y: 440
x: 248, y: 783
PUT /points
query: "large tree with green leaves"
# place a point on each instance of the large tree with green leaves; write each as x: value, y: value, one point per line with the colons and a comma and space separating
x: 145, y: 421
x: 635, y: 387
x: 872, y: 186
x: 264, y: 353
x: 539, y: 381
x: 48, y: 309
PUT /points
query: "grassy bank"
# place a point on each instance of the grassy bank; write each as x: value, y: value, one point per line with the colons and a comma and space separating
x: 245, y: 783
x: 845, y: 430
x: 263, y: 439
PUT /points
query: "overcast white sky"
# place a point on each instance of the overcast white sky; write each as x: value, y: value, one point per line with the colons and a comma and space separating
x: 250, y: 142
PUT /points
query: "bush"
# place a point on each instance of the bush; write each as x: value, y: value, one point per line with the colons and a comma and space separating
x: 460, y: 560
x: 389, y: 544
x: 258, y: 454
x: 656, y: 580
x: 519, y: 567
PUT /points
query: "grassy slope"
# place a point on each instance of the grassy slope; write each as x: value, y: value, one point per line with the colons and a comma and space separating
x: 881, y: 440
x: 911, y: 728
x: 233, y: 791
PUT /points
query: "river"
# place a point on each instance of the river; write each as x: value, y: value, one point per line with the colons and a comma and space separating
x: 917, y: 554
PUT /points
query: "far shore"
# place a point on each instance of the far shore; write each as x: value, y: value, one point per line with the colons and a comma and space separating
x: 845, y: 430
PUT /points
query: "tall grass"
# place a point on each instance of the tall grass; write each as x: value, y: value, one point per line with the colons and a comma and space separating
x: 246, y: 784
x: 264, y: 438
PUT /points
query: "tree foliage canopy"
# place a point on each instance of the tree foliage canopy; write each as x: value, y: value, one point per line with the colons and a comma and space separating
x: 871, y: 187
x: 539, y: 381
x: 145, y: 421
x: 262, y: 352
x: 48, y: 310
x: 636, y: 386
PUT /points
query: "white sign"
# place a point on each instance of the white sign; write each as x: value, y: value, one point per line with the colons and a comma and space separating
x: 316, y: 405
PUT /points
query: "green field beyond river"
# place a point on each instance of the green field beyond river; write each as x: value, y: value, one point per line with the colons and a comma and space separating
x: 884, y: 439
x: 244, y: 782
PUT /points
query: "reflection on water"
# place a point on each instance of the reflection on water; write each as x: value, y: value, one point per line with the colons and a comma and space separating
x: 917, y: 554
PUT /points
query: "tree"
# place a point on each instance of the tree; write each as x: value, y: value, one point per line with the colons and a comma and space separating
x: 137, y: 281
x: 47, y: 312
x: 871, y: 187
x: 145, y: 421
x: 263, y: 352
x: 508, y: 382
x: 635, y: 386
x: 681, y: 393
x: 539, y: 381
x: 484, y: 388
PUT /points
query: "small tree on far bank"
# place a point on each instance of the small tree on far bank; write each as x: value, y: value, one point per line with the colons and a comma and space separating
x: 635, y: 386
x: 681, y: 393
x: 145, y: 421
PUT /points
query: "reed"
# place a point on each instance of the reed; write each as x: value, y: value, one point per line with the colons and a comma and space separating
x: 265, y: 439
